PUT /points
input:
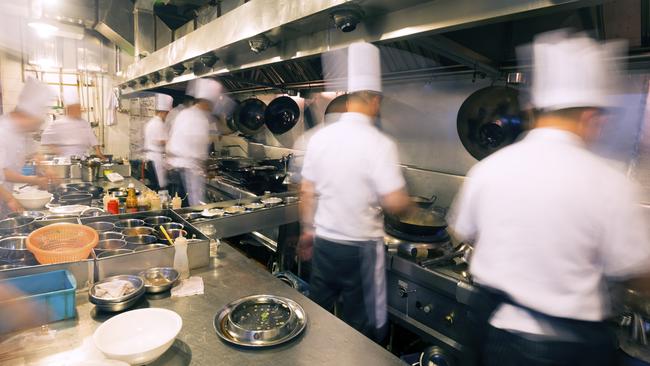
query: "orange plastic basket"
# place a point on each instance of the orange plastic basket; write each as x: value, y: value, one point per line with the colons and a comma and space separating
x: 62, y: 242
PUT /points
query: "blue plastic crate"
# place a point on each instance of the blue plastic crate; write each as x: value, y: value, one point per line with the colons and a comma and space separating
x: 53, y: 292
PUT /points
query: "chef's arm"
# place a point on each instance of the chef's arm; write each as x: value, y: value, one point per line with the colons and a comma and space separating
x: 15, y: 177
x: 307, y: 205
x: 10, y: 200
x: 396, y: 202
x: 98, y: 152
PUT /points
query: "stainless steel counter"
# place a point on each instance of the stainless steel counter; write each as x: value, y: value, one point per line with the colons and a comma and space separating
x: 326, y: 341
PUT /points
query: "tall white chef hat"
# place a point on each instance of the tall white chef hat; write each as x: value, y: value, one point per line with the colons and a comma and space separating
x: 164, y: 102
x: 364, y: 68
x: 573, y: 71
x: 70, y: 96
x: 34, y: 98
x: 208, y: 89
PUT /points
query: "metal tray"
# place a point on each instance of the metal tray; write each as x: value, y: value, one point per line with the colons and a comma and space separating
x: 228, y: 331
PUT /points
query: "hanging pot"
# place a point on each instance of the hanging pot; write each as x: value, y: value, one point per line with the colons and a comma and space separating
x: 249, y: 117
x: 281, y: 115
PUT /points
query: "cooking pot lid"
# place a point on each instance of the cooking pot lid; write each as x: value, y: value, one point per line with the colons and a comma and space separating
x: 489, y: 120
x: 249, y: 118
x: 282, y: 114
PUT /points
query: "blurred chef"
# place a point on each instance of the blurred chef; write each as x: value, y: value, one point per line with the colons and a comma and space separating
x: 71, y: 135
x: 551, y: 221
x: 333, y: 113
x: 16, y: 138
x: 155, y: 138
x: 189, y: 140
x: 188, y: 101
x: 350, y: 169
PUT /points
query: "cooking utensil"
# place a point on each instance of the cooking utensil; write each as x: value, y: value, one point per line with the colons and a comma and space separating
x: 62, y: 242
x: 260, y: 321
x: 212, y: 212
x: 14, y: 248
x: 249, y: 117
x: 234, y: 163
x: 30, y: 214
x: 173, y: 233
x: 191, y: 216
x: 156, y: 329
x: 490, y: 119
x: 159, y: 279
x: 154, y: 221
x: 420, y: 250
x: 138, y: 230
x: 171, y: 225
x: 76, y: 199
x: 166, y: 235
x: 110, y: 244
x: 141, y: 239
x: 281, y: 115
x: 113, y: 252
x: 271, y: 201
x: 33, y: 200
x: 126, y: 223
x: 423, y: 219
x: 110, y: 235
x: 16, y: 225
x: 101, y: 226
x: 254, y: 206
x: 141, y: 247
x: 234, y: 209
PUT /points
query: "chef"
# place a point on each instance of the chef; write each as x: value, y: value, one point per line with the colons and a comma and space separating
x: 551, y: 221
x: 189, y: 140
x: 155, y: 138
x: 16, y: 139
x: 350, y: 169
x: 71, y: 135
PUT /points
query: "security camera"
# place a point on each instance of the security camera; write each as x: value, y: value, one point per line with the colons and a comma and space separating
x: 346, y: 19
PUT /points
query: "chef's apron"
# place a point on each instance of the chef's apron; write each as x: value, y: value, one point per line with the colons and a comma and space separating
x: 590, y: 343
x: 355, y: 272
x: 159, y: 167
x: 194, y: 182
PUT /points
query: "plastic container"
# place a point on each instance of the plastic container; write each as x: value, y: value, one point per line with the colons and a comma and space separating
x: 181, y: 263
x: 177, y: 202
x: 62, y: 242
x: 54, y: 291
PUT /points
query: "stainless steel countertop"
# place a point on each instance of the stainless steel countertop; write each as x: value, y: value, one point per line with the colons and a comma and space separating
x: 326, y: 341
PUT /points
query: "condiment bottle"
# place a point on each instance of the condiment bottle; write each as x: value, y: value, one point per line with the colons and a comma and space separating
x: 155, y: 203
x: 113, y: 206
x: 131, y: 199
x: 177, y: 202
x: 181, y: 263
x: 106, y: 200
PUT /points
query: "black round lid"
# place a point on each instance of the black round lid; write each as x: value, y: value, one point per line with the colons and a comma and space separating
x: 282, y: 114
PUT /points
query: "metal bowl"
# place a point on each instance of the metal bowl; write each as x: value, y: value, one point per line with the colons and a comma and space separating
x: 101, y: 226
x: 16, y: 225
x: 173, y: 234
x: 170, y: 226
x: 155, y: 221
x: 159, y: 279
x: 121, y: 303
x: 138, y: 230
x: 78, y: 198
x: 190, y: 216
x: 110, y: 235
x: 122, y: 224
x: 113, y: 252
x: 254, y: 206
x: 29, y: 214
x: 7, y: 266
x: 141, y: 247
x: 272, y: 201
x: 14, y: 248
x: 141, y: 239
x: 110, y: 244
x: 244, y: 323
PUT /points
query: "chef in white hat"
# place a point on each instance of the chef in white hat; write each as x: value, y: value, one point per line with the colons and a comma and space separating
x: 155, y: 137
x: 188, y: 101
x: 16, y: 139
x: 350, y: 170
x: 71, y: 135
x: 552, y: 222
x: 189, y: 141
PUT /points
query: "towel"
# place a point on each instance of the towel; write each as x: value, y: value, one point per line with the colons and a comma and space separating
x: 189, y: 287
x: 113, y: 289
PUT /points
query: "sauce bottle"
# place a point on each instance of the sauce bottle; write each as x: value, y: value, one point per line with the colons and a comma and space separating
x: 177, y: 202
x: 131, y: 199
x: 155, y: 203
x: 181, y: 263
x: 106, y: 200
x: 113, y: 206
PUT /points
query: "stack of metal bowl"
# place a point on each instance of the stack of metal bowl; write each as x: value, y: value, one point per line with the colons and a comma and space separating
x: 112, y: 252
x: 140, y: 239
x: 13, y: 250
x: 101, y: 226
x: 159, y: 279
x: 121, y: 303
x: 155, y: 221
x: 122, y: 224
x: 16, y: 225
x: 138, y: 230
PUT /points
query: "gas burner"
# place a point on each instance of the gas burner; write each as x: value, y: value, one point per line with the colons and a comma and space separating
x: 439, y: 237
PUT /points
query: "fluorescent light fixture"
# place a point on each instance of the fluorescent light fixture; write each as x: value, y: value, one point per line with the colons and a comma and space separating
x: 43, y: 30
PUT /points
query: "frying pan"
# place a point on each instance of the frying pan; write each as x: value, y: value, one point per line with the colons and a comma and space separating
x: 419, y: 220
x: 249, y: 117
x: 281, y: 115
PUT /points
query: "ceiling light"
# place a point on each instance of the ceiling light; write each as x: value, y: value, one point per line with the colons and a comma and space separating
x: 43, y: 30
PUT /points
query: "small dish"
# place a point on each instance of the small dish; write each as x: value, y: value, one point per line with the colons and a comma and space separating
x: 254, y: 206
x: 272, y: 201
x: 212, y: 212
x: 234, y: 209
x: 159, y: 279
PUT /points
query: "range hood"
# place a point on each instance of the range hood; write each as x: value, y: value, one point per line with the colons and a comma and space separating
x: 290, y: 33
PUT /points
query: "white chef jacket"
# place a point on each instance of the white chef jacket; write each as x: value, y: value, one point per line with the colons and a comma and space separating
x: 154, y: 132
x: 171, y: 116
x: 71, y: 136
x: 189, y: 139
x: 301, y: 143
x: 15, y: 147
x: 352, y: 165
x: 551, y: 221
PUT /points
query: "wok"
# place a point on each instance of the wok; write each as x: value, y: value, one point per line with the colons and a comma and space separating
x: 422, y: 219
x: 281, y: 115
x: 232, y: 164
x: 249, y: 117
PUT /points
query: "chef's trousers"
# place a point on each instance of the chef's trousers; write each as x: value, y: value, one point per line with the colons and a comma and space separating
x: 156, y: 171
x: 504, y: 348
x: 189, y: 184
x: 355, y: 272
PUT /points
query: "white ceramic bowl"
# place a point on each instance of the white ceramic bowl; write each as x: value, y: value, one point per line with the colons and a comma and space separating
x: 33, y: 200
x: 138, y: 336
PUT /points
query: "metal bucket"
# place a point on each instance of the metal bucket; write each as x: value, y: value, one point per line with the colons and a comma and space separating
x: 89, y: 173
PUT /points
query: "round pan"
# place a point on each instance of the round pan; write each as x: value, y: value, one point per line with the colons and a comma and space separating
x: 281, y: 115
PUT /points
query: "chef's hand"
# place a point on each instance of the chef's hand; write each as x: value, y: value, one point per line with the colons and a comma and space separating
x: 41, y: 182
x: 306, y: 245
x: 15, y: 206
